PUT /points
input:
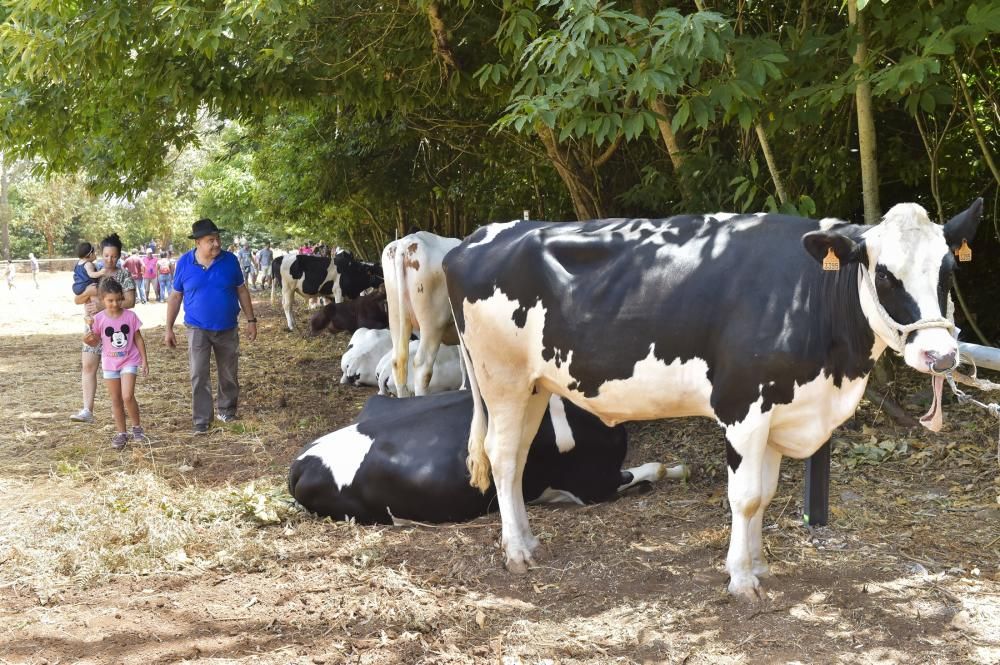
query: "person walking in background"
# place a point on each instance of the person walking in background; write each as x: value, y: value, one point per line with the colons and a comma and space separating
x: 210, y: 283
x: 123, y: 356
x: 163, y: 274
x: 11, y: 271
x: 134, y: 266
x: 90, y: 357
x: 34, y: 268
x: 149, y: 275
x: 247, y: 262
x: 265, y: 257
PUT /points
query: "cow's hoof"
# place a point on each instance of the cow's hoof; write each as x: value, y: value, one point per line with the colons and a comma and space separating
x: 746, y: 587
x: 517, y: 567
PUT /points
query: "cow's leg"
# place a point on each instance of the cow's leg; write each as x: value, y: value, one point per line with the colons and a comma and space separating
x: 746, y: 500
x: 769, y: 483
x: 423, y: 361
x: 650, y: 473
x: 287, y: 296
x: 511, y: 428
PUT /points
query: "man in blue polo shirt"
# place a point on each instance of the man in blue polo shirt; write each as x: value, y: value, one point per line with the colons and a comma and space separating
x: 210, y: 283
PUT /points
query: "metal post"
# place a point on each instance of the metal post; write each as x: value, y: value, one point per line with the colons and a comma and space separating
x: 816, y: 505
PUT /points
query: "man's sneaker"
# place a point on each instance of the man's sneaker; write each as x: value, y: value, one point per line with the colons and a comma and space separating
x: 138, y: 433
x: 226, y: 418
x: 200, y: 428
x: 83, y: 416
x: 119, y: 440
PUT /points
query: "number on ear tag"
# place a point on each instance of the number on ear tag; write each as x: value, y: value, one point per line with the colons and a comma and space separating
x: 964, y: 253
x: 830, y: 261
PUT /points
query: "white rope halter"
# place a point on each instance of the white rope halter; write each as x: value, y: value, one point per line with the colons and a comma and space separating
x: 899, y: 330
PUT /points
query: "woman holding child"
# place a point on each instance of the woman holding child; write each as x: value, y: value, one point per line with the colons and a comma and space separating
x: 111, y: 249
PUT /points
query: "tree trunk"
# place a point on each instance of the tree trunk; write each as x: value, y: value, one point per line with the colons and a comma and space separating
x: 772, y: 164
x: 580, y: 185
x: 866, y: 122
x: 440, y: 34
x: 5, y: 211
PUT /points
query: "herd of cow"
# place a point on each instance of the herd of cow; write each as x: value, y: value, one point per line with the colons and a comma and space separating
x: 768, y: 324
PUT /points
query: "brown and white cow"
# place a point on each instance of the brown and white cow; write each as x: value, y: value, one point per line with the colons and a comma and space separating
x: 418, y: 301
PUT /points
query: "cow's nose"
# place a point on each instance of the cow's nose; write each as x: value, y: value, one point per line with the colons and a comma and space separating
x: 941, y: 363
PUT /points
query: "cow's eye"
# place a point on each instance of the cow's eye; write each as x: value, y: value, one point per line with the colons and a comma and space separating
x: 881, y: 276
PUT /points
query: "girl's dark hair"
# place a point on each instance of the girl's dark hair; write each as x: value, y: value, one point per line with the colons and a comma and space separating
x: 112, y: 241
x: 109, y: 285
x: 83, y: 249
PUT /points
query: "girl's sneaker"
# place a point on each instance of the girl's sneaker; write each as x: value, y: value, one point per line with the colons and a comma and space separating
x: 119, y: 440
x: 138, y: 433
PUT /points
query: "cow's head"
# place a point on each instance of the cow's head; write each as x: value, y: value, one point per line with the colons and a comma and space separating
x: 324, y: 319
x: 910, y: 261
x: 907, y: 264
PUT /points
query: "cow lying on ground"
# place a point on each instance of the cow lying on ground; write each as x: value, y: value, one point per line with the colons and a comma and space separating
x: 769, y: 324
x: 405, y: 459
x: 360, y: 361
x: 446, y: 374
x: 368, y: 311
x: 310, y: 276
x: 418, y: 300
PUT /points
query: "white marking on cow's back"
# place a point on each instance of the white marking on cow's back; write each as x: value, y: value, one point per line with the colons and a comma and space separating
x: 564, y: 433
x: 342, y: 452
x: 493, y: 230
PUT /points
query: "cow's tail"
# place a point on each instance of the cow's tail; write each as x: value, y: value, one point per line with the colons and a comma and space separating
x: 401, y: 343
x: 478, y: 461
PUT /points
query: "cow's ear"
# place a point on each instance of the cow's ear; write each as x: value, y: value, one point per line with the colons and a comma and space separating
x: 109, y: 331
x: 819, y: 243
x: 125, y: 328
x: 963, y: 225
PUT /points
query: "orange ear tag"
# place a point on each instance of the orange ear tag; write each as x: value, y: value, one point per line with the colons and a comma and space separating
x: 964, y: 253
x: 830, y: 261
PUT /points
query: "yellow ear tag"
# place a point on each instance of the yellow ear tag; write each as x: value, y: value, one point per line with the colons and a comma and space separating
x: 964, y: 253
x: 830, y: 261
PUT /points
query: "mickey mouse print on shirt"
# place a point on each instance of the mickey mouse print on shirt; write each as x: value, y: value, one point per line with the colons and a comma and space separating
x: 118, y: 338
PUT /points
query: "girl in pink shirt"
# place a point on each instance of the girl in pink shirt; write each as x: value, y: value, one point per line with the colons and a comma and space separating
x: 123, y: 354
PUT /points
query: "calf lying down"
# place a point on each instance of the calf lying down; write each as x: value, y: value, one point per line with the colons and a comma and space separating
x: 405, y: 459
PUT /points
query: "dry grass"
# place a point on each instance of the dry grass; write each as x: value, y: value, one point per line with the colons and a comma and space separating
x: 185, y: 548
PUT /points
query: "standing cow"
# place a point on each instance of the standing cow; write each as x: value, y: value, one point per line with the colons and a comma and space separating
x: 724, y: 316
x: 405, y: 458
x: 418, y: 300
x: 311, y: 276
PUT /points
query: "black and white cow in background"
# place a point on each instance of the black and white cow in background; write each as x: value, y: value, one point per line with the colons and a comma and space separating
x: 311, y: 276
x: 726, y: 316
x: 405, y: 459
x: 418, y: 301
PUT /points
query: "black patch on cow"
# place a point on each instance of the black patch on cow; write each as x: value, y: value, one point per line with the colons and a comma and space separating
x: 312, y: 270
x: 416, y: 464
x: 892, y: 294
x: 742, y: 294
x: 945, y: 277
x: 733, y: 458
x: 356, y: 276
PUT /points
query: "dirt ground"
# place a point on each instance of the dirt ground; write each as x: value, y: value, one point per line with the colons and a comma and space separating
x: 186, y: 549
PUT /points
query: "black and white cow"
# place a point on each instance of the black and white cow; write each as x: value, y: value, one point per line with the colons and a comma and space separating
x: 405, y: 459
x: 727, y: 316
x: 311, y: 276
